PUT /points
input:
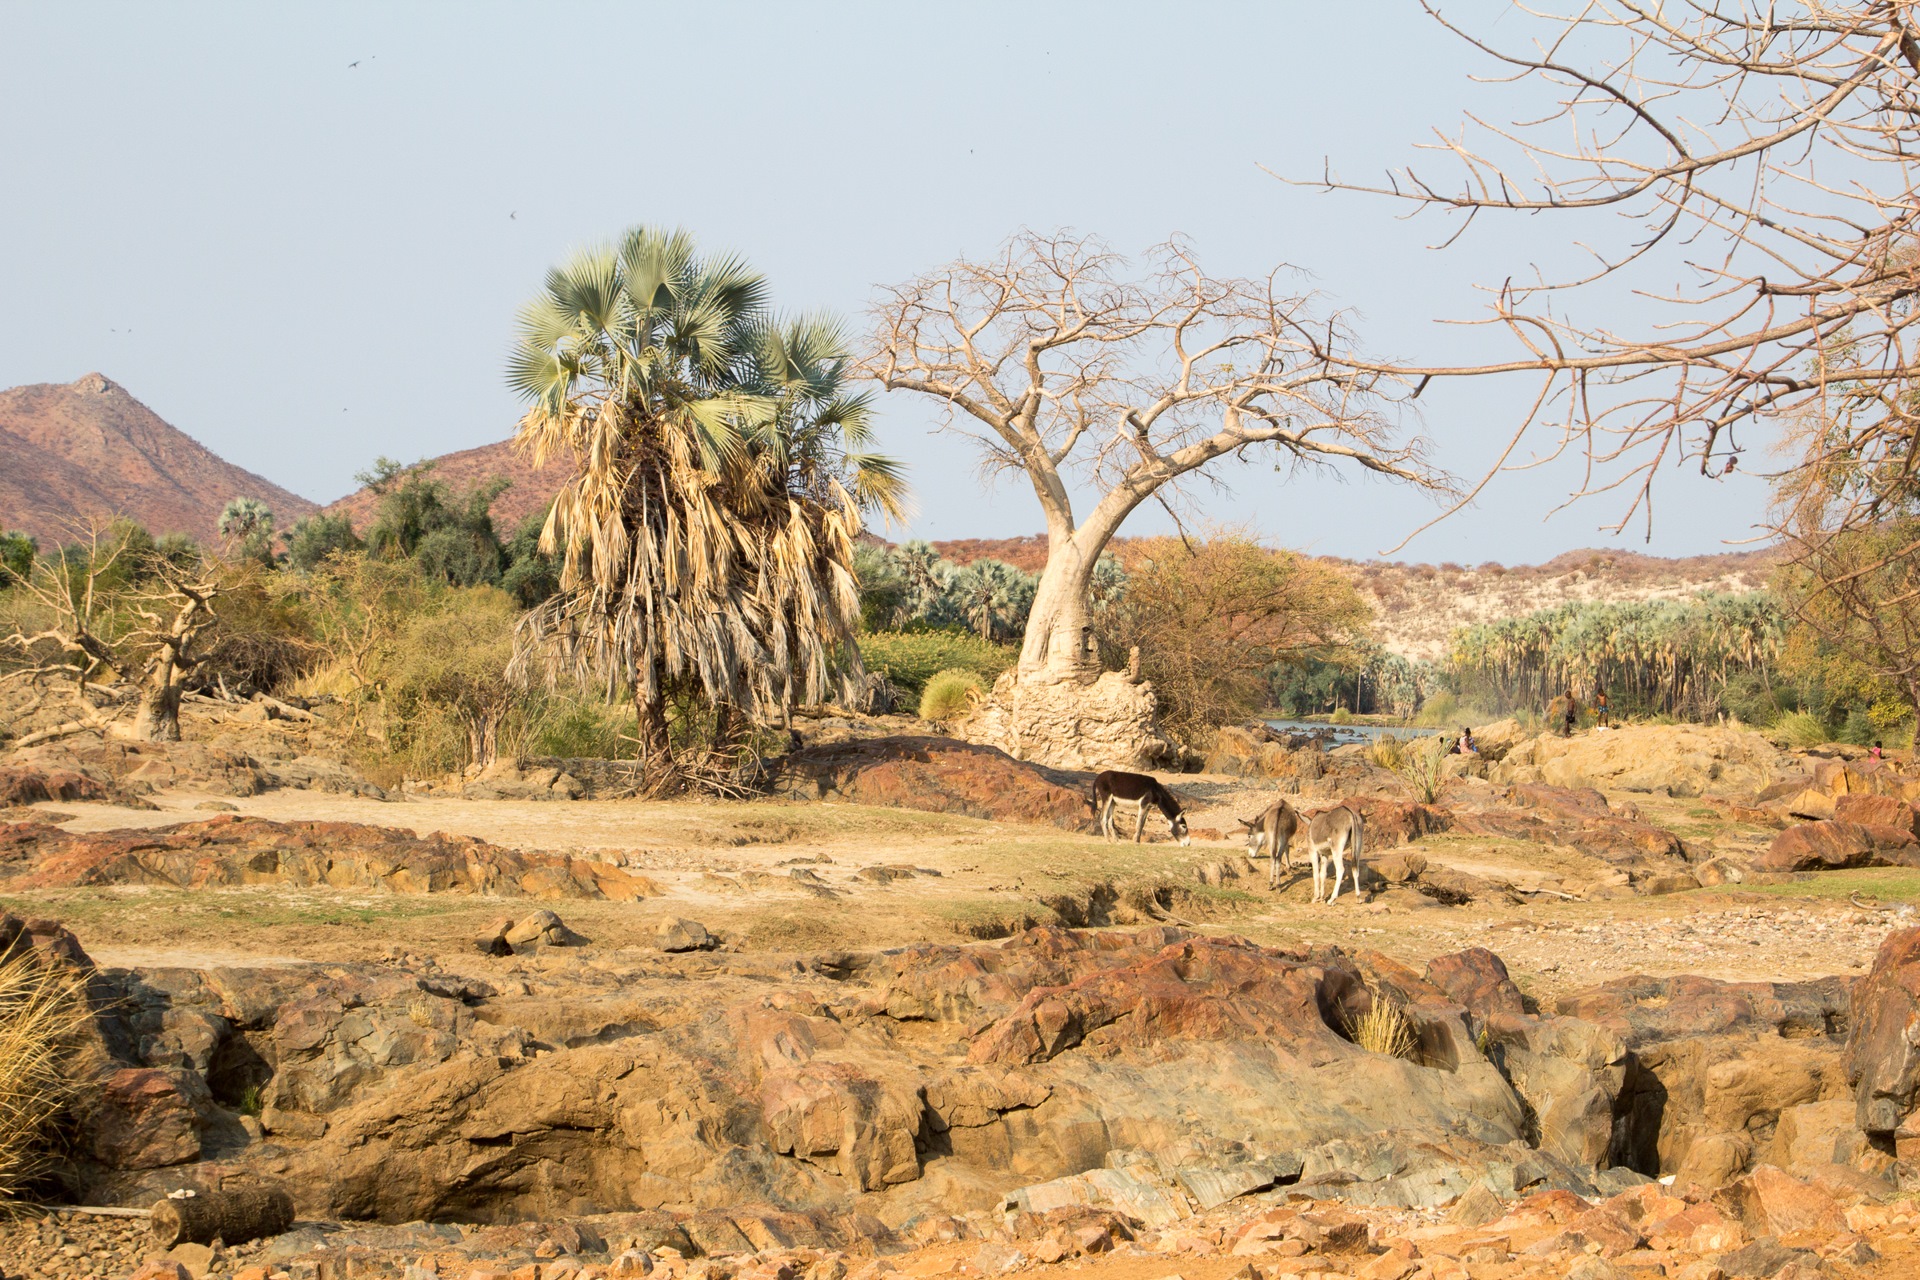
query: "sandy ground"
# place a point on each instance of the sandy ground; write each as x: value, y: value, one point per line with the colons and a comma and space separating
x: 785, y: 876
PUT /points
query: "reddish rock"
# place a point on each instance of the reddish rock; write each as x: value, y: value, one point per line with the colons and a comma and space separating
x: 52, y: 942
x: 231, y: 850
x: 1827, y: 846
x: 1202, y: 988
x: 938, y: 775
x: 147, y: 1118
x: 1390, y: 823
x: 29, y: 785
x: 161, y: 1269
x: 1883, y: 1058
x: 1878, y: 811
x: 1478, y: 979
x: 1770, y: 1202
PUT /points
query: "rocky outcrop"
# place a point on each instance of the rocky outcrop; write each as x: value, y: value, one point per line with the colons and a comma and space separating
x: 231, y: 850
x: 22, y: 785
x: 1883, y: 1048
x: 1829, y: 846
x: 1714, y: 1065
x: 938, y: 775
x: 1111, y: 722
x: 1675, y: 760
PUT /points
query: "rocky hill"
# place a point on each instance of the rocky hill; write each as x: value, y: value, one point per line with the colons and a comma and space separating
x: 88, y: 449
x: 1417, y: 606
x: 528, y: 495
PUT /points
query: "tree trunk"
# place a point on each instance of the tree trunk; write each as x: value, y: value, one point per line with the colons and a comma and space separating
x: 159, y: 719
x: 232, y: 1217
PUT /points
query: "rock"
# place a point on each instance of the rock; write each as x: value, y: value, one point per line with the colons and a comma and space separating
x: 1817, y: 846
x: 1883, y: 1050
x: 1571, y: 1073
x: 493, y: 939
x: 23, y: 785
x: 835, y: 1110
x: 1677, y: 760
x: 1390, y: 823
x: 1811, y: 805
x: 1714, y: 1160
x: 196, y: 1258
x: 1477, y: 1207
x: 216, y: 806
x: 1878, y: 811
x: 1770, y: 1202
x: 230, y: 851
x: 678, y: 934
x: 1766, y: 1258
x: 541, y: 929
x: 1816, y: 1134
x: 162, y: 1269
x: 937, y: 775
x: 1111, y: 722
x: 1478, y: 979
x: 1400, y: 867
x: 146, y: 1118
x: 1718, y: 871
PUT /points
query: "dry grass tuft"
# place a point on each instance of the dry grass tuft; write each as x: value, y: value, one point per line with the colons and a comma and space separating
x: 41, y: 1008
x: 1384, y: 1029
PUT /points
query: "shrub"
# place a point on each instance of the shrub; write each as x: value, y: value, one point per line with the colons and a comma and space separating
x: 912, y: 658
x: 949, y: 695
x: 584, y: 727
x: 1340, y: 716
x: 40, y: 1009
x: 1384, y: 1028
x: 1800, y: 729
x: 1422, y: 765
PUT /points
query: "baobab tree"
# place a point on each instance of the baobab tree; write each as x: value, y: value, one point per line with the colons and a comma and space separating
x: 1068, y: 363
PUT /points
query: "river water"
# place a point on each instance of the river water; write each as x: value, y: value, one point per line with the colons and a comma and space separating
x: 1345, y: 733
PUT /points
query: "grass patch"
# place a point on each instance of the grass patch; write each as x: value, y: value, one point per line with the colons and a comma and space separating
x: 41, y: 1008
x: 1889, y: 884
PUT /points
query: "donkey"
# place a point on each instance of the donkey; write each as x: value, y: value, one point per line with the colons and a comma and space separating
x: 1273, y: 831
x: 1114, y: 790
x: 1335, y: 836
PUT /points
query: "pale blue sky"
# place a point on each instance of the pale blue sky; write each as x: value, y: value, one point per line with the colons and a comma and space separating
x: 305, y: 264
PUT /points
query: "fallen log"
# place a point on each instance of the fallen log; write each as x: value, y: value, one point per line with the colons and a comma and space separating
x: 229, y: 1216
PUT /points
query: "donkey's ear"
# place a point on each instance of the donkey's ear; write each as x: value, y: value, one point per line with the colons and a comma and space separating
x: 1245, y: 822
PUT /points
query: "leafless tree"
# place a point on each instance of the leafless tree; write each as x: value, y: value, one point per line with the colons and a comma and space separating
x: 1068, y: 367
x: 1762, y: 155
x: 175, y: 613
x: 74, y: 645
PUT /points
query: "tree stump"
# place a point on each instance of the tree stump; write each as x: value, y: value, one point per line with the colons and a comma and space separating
x: 229, y: 1216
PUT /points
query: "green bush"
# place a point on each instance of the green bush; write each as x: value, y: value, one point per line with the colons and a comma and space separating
x: 910, y: 659
x: 949, y: 694
x: 585, y: 727
x: 1800, y: 729
x: 1340, y: 716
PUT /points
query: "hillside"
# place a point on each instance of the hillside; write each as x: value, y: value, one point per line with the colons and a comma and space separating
x: 529, y: 494
x: 1417, y: 606
x: 88, y: 449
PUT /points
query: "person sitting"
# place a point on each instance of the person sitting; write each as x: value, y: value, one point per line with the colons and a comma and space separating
x: 1466, y: 746
x: 1876, y: 753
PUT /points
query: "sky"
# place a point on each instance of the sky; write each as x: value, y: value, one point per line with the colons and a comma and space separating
x: 301, y: 233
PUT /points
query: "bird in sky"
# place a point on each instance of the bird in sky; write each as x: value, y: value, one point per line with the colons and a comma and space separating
x: 353, y: 64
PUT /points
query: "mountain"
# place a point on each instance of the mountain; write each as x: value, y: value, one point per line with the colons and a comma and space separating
x: 87, y: 449
x: 528, y: 495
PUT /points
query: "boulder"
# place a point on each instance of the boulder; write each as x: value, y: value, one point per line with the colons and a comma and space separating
x: 1814, y: 1135
x: 1570, y: 1073
x: 1771, y: 1202
x: 541, y: 929
x: 22, y: 785
x: 1402, y: 867
x: 1477, y: 979
x: 1878, y: 811
x: 146, y: 1118
x: 679, y: 934
x: 1827, y: 846
x: 836, y: 1110
x: 1396, y: 822
x: 1883, y: 1046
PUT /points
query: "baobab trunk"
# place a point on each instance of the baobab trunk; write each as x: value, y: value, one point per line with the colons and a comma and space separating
x: 1057, y: 706
x: 159, y: 719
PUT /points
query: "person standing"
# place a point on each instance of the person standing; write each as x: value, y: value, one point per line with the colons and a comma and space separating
x: 1600, y: 708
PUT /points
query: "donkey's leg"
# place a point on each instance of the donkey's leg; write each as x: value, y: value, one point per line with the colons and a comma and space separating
x: 1140, y: 822
x: 1106, y: 819
x: 1270, y: 841
x: 1339, y: 869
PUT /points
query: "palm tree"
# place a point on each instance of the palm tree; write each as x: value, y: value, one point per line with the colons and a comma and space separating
x: 719, y: 476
